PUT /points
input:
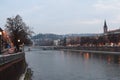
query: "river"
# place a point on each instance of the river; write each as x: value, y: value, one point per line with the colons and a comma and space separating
x: 68, y: 65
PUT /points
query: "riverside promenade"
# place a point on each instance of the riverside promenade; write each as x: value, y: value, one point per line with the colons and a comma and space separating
x: 12, y: 66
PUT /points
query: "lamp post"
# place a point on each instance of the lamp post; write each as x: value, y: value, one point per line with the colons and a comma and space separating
x: 18, y: 44
x: 1, y: 40
x: 18, y: 40
x: 23, y: 47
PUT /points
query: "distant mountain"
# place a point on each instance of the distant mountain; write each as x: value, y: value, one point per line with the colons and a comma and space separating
x: 55, y: 36
x: 81, y: 35
x: 47, y: 36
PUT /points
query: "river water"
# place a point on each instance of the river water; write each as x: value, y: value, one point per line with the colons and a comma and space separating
x: 67, y: 65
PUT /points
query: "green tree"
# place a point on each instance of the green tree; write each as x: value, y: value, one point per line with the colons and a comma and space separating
x: 18, y: 30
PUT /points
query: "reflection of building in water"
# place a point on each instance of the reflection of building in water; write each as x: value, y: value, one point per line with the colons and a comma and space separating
x: 116, y: 58
x: 113, y: 59
x: 86, y: 56
x: 119, y: 60
x: 109, y: 59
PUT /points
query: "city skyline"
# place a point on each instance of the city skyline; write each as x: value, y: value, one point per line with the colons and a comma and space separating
x: 64, y: 16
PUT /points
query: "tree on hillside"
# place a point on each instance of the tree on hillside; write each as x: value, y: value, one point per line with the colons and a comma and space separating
x: 18, y: 30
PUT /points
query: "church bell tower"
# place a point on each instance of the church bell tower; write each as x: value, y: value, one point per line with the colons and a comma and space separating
x: 105, y: 28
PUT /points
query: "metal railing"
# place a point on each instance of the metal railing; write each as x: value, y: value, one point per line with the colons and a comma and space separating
x: 10, y: 57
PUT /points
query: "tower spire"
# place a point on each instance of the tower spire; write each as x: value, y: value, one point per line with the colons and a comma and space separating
x: 105, y: 28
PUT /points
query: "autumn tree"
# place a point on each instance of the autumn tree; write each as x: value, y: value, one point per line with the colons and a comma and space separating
x: 18, y: 30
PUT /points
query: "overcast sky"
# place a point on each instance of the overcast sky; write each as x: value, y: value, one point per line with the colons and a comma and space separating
x: 63, y: 16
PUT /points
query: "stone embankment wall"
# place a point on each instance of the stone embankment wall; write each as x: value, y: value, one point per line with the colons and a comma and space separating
x: 95, y: 48
x: 13, y: 69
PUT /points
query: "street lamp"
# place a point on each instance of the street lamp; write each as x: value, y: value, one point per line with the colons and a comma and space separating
x: 0, y: 33
x: 18, y: 44
x: 18, y: 40
x: 0, y: 40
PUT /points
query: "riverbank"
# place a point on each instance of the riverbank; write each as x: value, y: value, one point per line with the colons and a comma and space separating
x: 23, y: 75
x: 102, y: 52
x: 95, y: 49
x: 28, y: 74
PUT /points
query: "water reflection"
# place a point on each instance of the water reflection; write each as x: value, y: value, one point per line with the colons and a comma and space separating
x: 86, y: 56
x: 109, y: 58
x: 104, y: 58
x: 69, y: 65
